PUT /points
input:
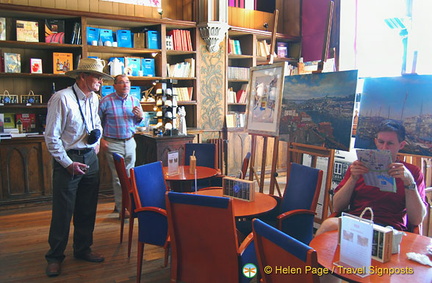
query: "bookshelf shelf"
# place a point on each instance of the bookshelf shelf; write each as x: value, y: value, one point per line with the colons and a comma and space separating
x: 37, y: 45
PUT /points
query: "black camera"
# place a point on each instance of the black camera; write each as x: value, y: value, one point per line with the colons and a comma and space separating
x: 94, y: 136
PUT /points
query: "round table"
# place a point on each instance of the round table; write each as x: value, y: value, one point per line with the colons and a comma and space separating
x: 183, y: 180
x: 263, y: 203
x: 327, y: 249
x: 184, y: 175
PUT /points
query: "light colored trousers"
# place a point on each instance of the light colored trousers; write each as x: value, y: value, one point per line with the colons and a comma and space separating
x: 127, y: 150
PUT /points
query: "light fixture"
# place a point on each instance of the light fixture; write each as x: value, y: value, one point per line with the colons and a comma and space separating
x: 399, y: 25
x: 213, y: 22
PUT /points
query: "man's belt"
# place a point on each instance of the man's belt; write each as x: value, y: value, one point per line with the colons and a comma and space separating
x: 80, y: 151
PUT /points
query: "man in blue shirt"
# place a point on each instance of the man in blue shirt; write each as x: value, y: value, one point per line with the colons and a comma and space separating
x: 120, y: 113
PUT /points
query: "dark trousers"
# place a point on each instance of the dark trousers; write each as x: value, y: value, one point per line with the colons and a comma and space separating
x: 75, y: 196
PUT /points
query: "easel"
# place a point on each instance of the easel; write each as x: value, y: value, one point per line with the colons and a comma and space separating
x: 295, y: 154
x: 252, y: 172
x: 326, y: 39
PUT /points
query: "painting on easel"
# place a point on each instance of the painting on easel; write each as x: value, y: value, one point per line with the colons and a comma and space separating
x: 265, y: 85
x: 406, y: 99
x: 317, y: 109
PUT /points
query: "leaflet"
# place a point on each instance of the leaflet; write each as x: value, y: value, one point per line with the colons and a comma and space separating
x: 378, y: 162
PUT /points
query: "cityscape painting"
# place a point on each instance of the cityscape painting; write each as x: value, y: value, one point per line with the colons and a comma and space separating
x: 317, y: 109
x: 407, y: 99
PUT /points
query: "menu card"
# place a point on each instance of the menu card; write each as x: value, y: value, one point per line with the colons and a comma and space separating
x: 355, y: 244
x: 173, y: 162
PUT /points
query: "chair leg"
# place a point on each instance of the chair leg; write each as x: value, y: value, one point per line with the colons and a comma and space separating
x: 139, y: 261
x: 167, y: 250
x: 122, y: 219
x: 131, y: 225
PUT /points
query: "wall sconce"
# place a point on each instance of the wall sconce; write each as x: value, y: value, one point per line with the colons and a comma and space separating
x: 213, y: 22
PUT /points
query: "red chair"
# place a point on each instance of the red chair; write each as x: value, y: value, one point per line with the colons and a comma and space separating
x: 205, y: 247
x: 127, y: 203
x: 273, y: 248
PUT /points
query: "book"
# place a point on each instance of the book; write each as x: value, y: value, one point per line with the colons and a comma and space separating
x: 377, y: 161
x: 35, y: 65
x: 12, y: 62
x: 2, y: 28
x: 28, y: 121
x: 282, y: 49
x: 1, y: 122
x: 27, y: 31
x: 62, y: 62
x: 169, y: 42
x: 9, y: 120
x: 54, y: 31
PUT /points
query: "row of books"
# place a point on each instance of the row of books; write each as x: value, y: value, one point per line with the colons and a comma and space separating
x: 263, y: 48
x: 29, y: 30
x: 235, y: 120
x: 247, y: 4
x: 239, y: 96
x: 234, y: 47
x: 179, y: 39
x: 183, y: 93
x: 184, y: 69
x: 238, y: 73
x: 62, y: 62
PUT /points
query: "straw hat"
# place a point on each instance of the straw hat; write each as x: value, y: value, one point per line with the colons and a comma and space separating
x: 89, y: 65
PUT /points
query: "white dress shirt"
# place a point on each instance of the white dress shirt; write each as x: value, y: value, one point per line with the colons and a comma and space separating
x: 65, y: 126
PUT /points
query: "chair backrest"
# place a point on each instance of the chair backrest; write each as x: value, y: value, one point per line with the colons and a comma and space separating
x: 302, y: 189
x: 245, y: 166
x: 205, y: 154
x: 124, y: 179
x: 275, y: 248
x: 203, y: 238
x: 149, y: 185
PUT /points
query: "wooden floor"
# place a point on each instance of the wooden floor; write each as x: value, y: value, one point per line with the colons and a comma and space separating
x: 24, y: 242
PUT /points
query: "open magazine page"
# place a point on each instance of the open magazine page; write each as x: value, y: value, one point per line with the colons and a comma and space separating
x: 378, y: 162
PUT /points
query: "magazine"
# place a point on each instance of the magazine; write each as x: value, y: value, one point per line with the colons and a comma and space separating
x: 377, y: 161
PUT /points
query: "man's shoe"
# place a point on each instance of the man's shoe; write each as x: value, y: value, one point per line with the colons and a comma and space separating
x: 91, y: 257
x: 53, y: 269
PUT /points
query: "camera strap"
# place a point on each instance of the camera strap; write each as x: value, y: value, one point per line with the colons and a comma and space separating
x: 82, y: 114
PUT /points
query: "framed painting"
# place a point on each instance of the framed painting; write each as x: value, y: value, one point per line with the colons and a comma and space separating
x: 405, y: 99
x: 317, y: 109
x: 265, y: 98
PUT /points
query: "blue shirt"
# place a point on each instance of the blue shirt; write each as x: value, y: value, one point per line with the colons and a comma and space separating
x: 116, y: 115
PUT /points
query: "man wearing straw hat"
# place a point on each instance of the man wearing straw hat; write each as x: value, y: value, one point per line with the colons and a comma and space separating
x: 72, y: 134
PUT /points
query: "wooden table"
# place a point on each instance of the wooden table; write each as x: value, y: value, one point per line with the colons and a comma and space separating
x: 327, y: 249
x: 183, y: 181
x: 263, y: 203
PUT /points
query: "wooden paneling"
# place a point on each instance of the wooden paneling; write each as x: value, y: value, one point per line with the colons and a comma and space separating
x: 173, y: 9
x: 26, y: 171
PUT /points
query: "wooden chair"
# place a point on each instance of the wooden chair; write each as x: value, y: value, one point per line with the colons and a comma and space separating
x: 149, y: 188
x: 275, y: 248
x: 127, y: 202
x: 204, y: 241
